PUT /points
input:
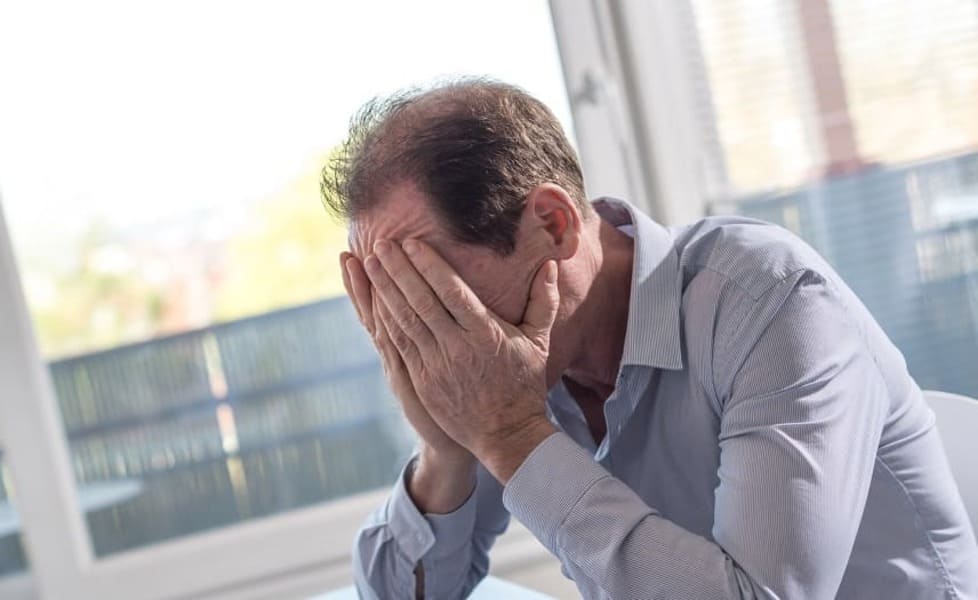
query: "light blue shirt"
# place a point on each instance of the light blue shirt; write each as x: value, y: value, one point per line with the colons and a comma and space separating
x: 764, y: 440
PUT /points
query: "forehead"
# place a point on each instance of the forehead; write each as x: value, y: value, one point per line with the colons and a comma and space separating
x: 405, y: 213
x: 402, y: 213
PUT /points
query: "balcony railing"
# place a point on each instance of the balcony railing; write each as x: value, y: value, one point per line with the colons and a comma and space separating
x: 229, y: 422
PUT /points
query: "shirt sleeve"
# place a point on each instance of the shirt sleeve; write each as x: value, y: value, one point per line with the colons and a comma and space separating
x: 801, y: 419
x: 453, y: 549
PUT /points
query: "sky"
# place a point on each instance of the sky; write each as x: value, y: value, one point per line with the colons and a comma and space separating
x: 131, y: 113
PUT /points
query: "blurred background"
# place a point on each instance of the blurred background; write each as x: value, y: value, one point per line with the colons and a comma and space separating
x: 159, y: 168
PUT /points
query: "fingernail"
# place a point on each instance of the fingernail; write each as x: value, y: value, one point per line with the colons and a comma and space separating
x: 382, y: 247
x: 372, y: 265
x: 552, y: 272
x: 411, y: 247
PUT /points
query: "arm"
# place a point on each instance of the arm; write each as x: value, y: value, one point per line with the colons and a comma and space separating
x: 802, y: 410
x: 398, y: 546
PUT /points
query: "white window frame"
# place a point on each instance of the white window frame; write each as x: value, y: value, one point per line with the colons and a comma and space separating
x: 627, y: 66
x: 603, y: 122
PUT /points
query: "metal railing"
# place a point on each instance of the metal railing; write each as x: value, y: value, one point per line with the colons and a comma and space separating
x: 228, y: 422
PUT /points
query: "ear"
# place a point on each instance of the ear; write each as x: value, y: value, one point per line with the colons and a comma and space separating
x: 551, y: 218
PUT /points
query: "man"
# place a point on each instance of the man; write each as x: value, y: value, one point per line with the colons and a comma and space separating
x: 697, y: 412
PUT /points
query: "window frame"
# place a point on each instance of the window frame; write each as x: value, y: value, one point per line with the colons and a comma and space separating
x: 645, y: 143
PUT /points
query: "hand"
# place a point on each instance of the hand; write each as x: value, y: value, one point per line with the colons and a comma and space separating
x: 435, y: 442
x: 481, y: 379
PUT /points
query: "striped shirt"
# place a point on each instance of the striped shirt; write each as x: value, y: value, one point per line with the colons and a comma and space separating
x: 764, y: 440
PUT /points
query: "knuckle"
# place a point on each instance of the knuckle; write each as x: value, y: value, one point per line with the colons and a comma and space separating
x: 456, y: 297
x: 400, y: 339
x: 411, y: 321
x: 380, y: 343
x: 426, y: 306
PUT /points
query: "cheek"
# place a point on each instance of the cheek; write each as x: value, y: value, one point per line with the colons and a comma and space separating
x: 501, y: 284
x: 508, y: 308
x: 494, y: 288
x: 506, y: 296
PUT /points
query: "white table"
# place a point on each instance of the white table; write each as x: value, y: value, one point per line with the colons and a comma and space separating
x: 491, y: 588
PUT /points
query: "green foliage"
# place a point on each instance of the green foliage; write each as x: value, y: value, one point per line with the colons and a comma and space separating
x: 109, y: 287
x: 81, y: 305
x: 287, y: 254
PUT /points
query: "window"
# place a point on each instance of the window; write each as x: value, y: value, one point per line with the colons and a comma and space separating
x: 159, y: 170
x: 854, y: 123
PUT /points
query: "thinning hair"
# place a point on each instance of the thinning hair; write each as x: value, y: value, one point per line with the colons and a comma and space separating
x: 474, y: 147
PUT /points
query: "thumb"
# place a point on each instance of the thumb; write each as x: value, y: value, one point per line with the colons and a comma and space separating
x: 541, y: 310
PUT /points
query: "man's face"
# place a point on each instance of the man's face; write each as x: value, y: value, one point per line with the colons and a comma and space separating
x: 501, y: 282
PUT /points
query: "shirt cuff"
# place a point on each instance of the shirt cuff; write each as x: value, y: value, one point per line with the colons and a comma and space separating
x: 549, y: 483
x: 420, y: 535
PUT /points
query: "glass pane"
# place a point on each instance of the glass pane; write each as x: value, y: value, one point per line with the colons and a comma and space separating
x: 12, y: 557
x: 855, y: 124
x: 160, y: 170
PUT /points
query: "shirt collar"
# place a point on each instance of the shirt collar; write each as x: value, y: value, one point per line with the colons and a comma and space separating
x: 652, y: 336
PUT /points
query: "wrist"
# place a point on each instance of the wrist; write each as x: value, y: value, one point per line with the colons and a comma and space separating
x: 455, y: 461
x: 504, y: 455
x: 440, y: 483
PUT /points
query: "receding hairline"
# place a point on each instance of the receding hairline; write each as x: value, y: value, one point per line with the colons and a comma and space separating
x: 389, y: 119
x: 378, y: 155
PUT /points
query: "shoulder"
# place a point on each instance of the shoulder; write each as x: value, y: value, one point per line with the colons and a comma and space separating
x: 753, y: 255
x: 744, y: 279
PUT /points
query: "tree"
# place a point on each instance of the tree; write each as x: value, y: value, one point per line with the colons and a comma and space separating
x: 287, y: 254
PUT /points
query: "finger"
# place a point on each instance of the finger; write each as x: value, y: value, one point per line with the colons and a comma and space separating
x: 359, y: 284
x: 388, y: 351
x: 415, y: 289
x: 399, y: 310
x: 394, y: 365
x: 345, y: 258
x: 348, y: 286
x: 397, y: 345
x: 453, y: 293
x: 541, y: 309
